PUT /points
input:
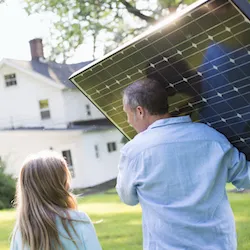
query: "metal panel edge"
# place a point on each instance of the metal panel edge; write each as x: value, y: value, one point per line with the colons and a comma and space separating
x: 97, y: 106
x: 244, y: 7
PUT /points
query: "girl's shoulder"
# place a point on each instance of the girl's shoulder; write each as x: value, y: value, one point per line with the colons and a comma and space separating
x: 79, y: 216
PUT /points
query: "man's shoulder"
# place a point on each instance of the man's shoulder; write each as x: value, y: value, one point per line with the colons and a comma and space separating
x: 209, y: 133
x: 171, y: 134
x: 134, y: 146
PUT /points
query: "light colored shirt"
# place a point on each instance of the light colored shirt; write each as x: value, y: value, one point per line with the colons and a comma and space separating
x: 85, y: 239
x: 177, y: 170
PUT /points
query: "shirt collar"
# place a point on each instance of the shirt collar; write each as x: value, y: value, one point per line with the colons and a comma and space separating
x: 170, y: 121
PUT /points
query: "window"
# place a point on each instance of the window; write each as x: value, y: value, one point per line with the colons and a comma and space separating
x: 44, y: 109
x: 97, y: 151
x: 10, y: 80
x: 88, y: 110
x: 111, y: 146
x: 67, y: 156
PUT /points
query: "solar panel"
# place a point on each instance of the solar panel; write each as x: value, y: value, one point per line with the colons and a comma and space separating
x: 201, y: 54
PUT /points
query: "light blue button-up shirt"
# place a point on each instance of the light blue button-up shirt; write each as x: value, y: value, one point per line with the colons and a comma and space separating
x: 177, y: 170
x: 85, y: 239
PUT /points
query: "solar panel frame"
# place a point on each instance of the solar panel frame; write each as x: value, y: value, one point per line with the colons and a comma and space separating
x: 243, y: 6
x: 215, y: 103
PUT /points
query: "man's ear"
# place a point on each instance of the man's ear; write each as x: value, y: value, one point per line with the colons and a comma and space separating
x: 140, y: 110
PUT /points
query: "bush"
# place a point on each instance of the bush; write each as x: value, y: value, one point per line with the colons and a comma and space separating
x: 7, y: 188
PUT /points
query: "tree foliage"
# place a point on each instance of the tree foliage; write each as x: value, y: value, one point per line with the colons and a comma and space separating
x: 105, y: 21
x: 7, y: 188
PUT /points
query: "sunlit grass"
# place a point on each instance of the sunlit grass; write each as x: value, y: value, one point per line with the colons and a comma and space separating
x: 119, y: 226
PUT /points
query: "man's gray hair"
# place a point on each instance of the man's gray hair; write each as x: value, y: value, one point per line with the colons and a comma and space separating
x: 148, y: 94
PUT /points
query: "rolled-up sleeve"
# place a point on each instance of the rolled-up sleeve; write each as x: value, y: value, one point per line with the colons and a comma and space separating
x: 239, y: 169
x: 127, y: 180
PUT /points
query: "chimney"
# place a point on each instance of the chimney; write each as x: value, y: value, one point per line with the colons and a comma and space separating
x: 36, y: 49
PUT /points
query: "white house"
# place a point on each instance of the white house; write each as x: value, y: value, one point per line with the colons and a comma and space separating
x: 41, y: 109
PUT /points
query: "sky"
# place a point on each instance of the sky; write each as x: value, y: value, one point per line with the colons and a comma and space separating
x: 17, y: 28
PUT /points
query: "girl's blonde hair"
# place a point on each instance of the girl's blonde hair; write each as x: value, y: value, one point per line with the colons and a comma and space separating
x: 42, y: 194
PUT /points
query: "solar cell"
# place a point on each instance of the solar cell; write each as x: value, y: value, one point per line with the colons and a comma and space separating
x: 202, y: 55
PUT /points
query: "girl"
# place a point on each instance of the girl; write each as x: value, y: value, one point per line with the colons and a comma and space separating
x: 47, y: 216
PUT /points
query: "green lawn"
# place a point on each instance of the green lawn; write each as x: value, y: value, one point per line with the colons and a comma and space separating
x: 119, y: 226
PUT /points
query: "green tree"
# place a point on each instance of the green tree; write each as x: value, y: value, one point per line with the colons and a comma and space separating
x: 105, y: 21
x: 7, y: 188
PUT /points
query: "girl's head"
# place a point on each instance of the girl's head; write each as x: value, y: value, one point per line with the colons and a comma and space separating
x: 44, y: 181
x: 42, y: 193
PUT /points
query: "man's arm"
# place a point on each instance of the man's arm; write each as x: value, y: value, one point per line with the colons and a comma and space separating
x: 126, y: 180
x: 239, y: 169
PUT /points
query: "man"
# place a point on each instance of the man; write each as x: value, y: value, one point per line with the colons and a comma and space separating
x: 177, y: 170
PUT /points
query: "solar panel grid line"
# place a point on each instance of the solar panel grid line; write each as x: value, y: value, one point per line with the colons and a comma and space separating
x: 135, y: 44
x: 223, y: 93
x: 104, y: 81
x: 192, y: 88
x: 121, y: 87
x: 237, y: 135
x: 182, y: 96
x: 246, y: 136
x: 242, y: 70
x: 222, y: 114
x: 207, y: 99
x: 223, y: 119
x: 195, y: 89
x: 222, y: 73
x: 243, y: 135
x: 152, y: 57
x: 224, y: 39
x: 99, y: 108
x: 183, y: 107
x: 128, y: 126
x: 142, y: 48
x: 210, y: 77
x: 235, y: 35
x: 186, y: 71
x: 124, y: 78
x: 246, y: 142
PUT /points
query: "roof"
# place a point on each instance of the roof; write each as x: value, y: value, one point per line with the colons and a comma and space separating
x: 57, y: 72
x: 84, y: 128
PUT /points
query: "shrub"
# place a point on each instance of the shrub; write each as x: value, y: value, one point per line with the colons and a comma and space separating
x: 7, y: 188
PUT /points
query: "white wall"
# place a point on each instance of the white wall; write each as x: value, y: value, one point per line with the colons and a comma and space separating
x: 16, y: 145
x: 19, y: 104
x: 105, y: 167
x: 75, y: 106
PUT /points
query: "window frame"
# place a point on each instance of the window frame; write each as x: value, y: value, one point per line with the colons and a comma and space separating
x: 44, y: 110
x: 111, y: 146
x: 97, y: 151
x: 12, y: 81
x: 67, y: 155
x: 88, y: 110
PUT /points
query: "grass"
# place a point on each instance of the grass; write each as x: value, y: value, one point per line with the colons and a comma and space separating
x: 119, y: 226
